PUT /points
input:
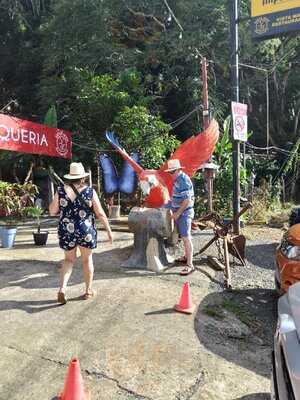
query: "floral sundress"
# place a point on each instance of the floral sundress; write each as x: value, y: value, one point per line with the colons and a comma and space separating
x: 77, y: 222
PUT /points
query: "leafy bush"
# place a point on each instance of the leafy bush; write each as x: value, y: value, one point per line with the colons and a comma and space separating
x: 14, y: 198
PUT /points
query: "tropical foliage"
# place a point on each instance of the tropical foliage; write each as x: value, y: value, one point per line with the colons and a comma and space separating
x: 134, y: 66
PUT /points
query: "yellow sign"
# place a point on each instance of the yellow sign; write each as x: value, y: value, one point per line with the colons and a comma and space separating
x: 262, y: 7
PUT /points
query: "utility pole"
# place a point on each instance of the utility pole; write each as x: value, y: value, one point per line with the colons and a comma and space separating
x: 204, y: 93
x: 266, y: 72
x: 235, y: 97
x: 208, y: 172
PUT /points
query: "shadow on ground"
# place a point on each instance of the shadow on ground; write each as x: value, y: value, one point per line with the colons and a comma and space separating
x: 37, y: 274
x: 239, y: 326
x: 261, y: 255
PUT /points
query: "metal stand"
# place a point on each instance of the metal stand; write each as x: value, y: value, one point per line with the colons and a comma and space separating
x: 232, y: 244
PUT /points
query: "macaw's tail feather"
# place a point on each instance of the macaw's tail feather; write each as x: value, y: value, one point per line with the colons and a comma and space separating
x: 195, y: 151
x: 110, y: 136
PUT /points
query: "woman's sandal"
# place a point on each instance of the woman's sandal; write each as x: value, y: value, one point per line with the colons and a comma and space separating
x: 88, y: 295
x: 61, y: 298
x: 188, y: 269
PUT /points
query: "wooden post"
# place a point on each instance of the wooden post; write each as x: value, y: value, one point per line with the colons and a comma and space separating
x: 227, y: 265
x: 98, y: 175
x: 283, y: 190
x: 90, y: 177
x: 51, y: 190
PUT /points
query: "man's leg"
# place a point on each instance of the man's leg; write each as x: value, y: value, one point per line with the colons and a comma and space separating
x: 188, y: 250
x: 65, y: 273
x: 88, y: 269
x: 184, y: 224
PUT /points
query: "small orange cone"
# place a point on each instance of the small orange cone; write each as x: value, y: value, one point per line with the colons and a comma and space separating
x: 185, y: 303
x: 73, y: 388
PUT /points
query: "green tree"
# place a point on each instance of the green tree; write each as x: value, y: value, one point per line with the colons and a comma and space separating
x: 139, y: 130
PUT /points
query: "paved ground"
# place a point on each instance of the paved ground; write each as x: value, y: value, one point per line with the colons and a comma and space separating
x: 130, y: 343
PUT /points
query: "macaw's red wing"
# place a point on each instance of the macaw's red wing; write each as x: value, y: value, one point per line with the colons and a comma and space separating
x: 195, y: 151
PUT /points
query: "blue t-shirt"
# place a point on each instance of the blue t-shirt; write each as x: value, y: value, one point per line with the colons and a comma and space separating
x: 182, y: 189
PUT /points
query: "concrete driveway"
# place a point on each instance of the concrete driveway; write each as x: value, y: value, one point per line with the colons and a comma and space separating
x: 129, y: 341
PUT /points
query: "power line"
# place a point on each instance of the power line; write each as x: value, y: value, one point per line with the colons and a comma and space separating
x: 173, y: 15
x: 268, y: 148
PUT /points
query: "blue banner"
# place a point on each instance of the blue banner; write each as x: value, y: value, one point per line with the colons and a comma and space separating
x: 275, y: 24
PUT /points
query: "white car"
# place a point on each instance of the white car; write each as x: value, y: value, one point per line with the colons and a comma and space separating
x: 286, y: 355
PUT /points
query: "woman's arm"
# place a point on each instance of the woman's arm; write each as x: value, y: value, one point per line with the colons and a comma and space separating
x: 100, y: 214
x: 54, y: 206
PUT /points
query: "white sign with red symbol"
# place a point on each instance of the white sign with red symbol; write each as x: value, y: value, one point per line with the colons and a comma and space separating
x: 239, y: 118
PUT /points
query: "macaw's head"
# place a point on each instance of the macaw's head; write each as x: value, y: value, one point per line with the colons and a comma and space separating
x: 148, y: 180
x: 153, y: 188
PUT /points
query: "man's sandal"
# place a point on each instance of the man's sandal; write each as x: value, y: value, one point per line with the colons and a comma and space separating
x: 61, y: 298
x: 181, y: 260
x: 188, y: 269
x: 88, y: 295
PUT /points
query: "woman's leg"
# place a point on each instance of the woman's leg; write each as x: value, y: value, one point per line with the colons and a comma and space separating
x: 66, y: 269
x: 88, y: 268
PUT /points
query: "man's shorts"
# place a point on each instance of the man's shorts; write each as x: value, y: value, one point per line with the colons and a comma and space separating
x: 184, y: 223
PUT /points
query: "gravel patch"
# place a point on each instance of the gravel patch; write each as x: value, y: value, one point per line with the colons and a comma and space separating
x: 241, y: 322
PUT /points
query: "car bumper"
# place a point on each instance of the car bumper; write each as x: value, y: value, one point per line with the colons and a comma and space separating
x: 285, y: 382
x: 287, y: 272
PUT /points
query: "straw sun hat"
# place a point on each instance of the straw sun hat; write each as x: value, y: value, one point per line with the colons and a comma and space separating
x: 173, y: 165
x: 76, y: 171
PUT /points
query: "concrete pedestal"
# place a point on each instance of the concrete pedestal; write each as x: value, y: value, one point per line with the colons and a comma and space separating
x: 151, y: 226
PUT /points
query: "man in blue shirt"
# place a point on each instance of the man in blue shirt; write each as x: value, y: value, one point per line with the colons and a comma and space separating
x: 182, y: 205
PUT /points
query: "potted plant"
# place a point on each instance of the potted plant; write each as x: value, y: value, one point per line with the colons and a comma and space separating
x: 40, y: 238
x: 8, y: 231
x: 13, y: 200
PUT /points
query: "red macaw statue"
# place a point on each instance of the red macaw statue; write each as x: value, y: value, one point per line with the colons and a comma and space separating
x: 157, y: 185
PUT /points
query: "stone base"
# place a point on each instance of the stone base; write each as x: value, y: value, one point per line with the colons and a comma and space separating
x: 150, y: 227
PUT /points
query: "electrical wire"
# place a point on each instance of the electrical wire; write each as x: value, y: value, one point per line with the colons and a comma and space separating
x: 95, y: 148
x: 268, y: 148
x: 183, y: 118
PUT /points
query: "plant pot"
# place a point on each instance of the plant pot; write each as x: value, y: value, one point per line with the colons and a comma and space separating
x: 8, y: 235
x: 40, y: 238
x: 114, y: 212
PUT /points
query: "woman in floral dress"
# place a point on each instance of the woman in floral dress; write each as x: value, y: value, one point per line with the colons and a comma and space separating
x: 76, y: 227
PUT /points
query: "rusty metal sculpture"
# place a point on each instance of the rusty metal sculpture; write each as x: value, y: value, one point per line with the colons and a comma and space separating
x: 233, y: 244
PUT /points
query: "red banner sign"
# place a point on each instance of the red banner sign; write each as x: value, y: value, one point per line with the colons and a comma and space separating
x: 28, y: 137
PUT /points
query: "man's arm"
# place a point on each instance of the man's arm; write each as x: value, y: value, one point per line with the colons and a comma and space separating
x: 180, y: 210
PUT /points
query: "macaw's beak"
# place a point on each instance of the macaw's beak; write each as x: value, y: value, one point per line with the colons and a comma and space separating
x: 145, y: 187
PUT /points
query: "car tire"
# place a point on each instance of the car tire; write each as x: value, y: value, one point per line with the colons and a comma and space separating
x: 294, y: 217
x: 278, y: 289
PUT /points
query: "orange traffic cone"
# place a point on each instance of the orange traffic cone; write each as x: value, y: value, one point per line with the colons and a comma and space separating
x: 185, y: 302
x: 73, y: 388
